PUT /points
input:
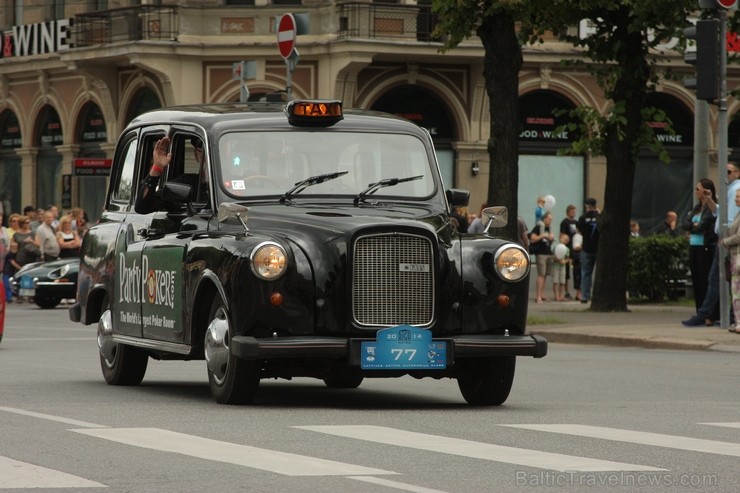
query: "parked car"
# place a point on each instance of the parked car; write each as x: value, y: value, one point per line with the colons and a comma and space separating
x: 48, y: 283
x: 313, y: 242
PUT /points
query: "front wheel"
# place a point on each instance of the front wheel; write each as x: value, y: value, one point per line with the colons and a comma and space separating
x: 232, y: 380
x: 487, y: 382
x: 121, y: 364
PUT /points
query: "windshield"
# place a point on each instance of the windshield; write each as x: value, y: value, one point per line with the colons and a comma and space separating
x: 259, y: 164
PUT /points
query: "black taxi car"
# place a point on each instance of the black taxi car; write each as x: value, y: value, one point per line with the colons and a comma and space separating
x: 313, y: 242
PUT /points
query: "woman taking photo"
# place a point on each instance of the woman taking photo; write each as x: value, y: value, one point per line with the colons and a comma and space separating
x: 699, y: 222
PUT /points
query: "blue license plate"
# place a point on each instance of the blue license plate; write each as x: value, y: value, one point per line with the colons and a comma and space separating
x: 27, y: 282
x: 403, y: 348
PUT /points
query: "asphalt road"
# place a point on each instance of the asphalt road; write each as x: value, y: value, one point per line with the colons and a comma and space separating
x: 585, y: 418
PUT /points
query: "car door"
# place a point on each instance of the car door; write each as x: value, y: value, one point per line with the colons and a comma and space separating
x: 127, y: 272
x: 164, y: 252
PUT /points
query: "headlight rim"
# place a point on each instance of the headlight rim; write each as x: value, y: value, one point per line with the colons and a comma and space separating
x: 256, y: 250
x: 500, y: 251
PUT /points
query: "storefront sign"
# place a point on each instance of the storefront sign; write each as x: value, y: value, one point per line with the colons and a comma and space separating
x: 544, y: 118
x: 35, y: 39
x: 92, y: 167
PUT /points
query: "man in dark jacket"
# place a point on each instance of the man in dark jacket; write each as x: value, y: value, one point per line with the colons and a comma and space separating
x: 590, y: 232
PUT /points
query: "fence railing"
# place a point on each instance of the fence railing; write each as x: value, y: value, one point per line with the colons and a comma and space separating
x: 376, y: 20
x: 145, y: 22
x: 161, y: 23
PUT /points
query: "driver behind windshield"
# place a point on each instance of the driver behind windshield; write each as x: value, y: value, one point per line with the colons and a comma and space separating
x: 149, y: 200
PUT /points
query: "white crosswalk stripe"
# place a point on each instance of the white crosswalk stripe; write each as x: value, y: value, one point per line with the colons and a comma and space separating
x: 640, y: 437
x: 478, y: 450
x: 726, y: 425
x: 16, y: 474
x: 232, y: 453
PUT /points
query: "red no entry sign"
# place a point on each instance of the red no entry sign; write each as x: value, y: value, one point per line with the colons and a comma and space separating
x: 286, y: 35
x: 728, y: 4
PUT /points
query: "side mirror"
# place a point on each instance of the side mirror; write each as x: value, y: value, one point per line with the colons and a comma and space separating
x: 176, y: 193
x: 495, y: 217
x: 457, y: 197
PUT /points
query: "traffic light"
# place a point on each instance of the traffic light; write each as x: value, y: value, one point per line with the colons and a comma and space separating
x: 706, y: 59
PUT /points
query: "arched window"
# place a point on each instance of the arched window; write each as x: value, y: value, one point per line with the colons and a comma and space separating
x: 427, y: 110
x: 10, y: 163
x: 48, y: 134
x: 144, y: 100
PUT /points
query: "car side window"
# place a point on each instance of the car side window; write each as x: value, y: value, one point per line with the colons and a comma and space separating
x: 124, y: 188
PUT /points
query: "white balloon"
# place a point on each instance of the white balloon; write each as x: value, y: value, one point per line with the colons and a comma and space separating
x: 577, y: 241
x: 549, y: 202
x: 560, y: 251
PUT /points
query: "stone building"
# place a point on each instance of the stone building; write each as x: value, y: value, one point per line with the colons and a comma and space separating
x: 72, y: 74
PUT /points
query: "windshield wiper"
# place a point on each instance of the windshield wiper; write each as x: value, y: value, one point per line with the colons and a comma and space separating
x: 386, y: 182
x: 314, y: 180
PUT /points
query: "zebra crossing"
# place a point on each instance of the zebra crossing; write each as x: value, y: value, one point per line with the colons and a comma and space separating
x: 20, y: 475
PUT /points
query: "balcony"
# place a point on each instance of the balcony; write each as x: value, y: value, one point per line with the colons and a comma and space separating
x: 145, y: 22
x: 390, y: 22
x: 386, y: 21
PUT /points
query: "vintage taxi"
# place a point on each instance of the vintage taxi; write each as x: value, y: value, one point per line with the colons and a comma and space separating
x: 311, y: 242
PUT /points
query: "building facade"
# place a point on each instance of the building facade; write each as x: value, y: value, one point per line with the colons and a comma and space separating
x: 73, y: 74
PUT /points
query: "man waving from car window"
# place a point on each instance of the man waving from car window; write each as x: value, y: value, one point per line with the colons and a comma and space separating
x: 148, y: 200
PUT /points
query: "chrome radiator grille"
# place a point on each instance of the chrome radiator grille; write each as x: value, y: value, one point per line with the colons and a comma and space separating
x: 393, y: 280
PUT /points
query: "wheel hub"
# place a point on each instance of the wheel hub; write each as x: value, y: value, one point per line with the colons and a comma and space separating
x: 106, y: 346
x: 217, y: 345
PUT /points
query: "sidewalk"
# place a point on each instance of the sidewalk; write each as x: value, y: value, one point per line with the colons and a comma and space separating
x: 647, y: 326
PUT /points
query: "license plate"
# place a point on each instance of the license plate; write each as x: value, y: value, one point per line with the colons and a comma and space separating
x: 27, y: 282
x: 403, y: 348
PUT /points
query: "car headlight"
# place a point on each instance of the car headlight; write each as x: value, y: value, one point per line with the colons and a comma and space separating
x: 269, y: 261
x: 511, y: 263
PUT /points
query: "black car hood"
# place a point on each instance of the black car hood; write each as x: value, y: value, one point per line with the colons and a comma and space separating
x: 329, y: 221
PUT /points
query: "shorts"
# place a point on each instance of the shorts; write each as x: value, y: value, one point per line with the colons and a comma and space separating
x: 558, y: 273
x: 544, y: 265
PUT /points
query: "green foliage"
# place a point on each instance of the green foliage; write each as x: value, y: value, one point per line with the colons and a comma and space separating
x: 592, y: 128
x: 657, y: 265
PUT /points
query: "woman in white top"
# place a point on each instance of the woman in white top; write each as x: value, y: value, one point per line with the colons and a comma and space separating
x: 68, y: 239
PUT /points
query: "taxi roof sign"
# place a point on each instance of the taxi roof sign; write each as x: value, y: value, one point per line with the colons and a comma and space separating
x: 314, y: 113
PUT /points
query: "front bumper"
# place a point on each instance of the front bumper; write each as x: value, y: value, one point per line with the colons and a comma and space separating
x: 45, y: 289
x: 461, y: 347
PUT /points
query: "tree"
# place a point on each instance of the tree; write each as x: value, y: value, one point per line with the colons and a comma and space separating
x: 622, y: 49
x: 494, y: 22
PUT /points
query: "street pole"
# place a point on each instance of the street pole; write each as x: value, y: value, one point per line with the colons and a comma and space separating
x: 290, y: 65
x: 721, y: 168
x: 702, y: 139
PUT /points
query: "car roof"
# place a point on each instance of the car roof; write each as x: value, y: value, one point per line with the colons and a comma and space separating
x: 223, y: 117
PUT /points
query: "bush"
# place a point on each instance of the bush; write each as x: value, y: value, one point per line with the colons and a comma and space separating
x: 657, y: 266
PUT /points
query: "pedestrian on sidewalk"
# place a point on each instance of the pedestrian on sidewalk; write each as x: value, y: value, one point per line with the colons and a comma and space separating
x: 732, y: 243
x: 540, y: 240
x: 589, y: 230
x: 700, y: 223
x: 569, y: 226
x: 708, y: 312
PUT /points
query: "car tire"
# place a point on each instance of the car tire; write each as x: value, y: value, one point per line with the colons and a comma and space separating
x: 343, y: 378
x: 487, y: 382
x: 121, y: 364
x: 232, y: 380
x: 46, y: 302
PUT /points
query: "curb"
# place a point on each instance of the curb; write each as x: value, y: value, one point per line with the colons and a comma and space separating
x: 553, y: 336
